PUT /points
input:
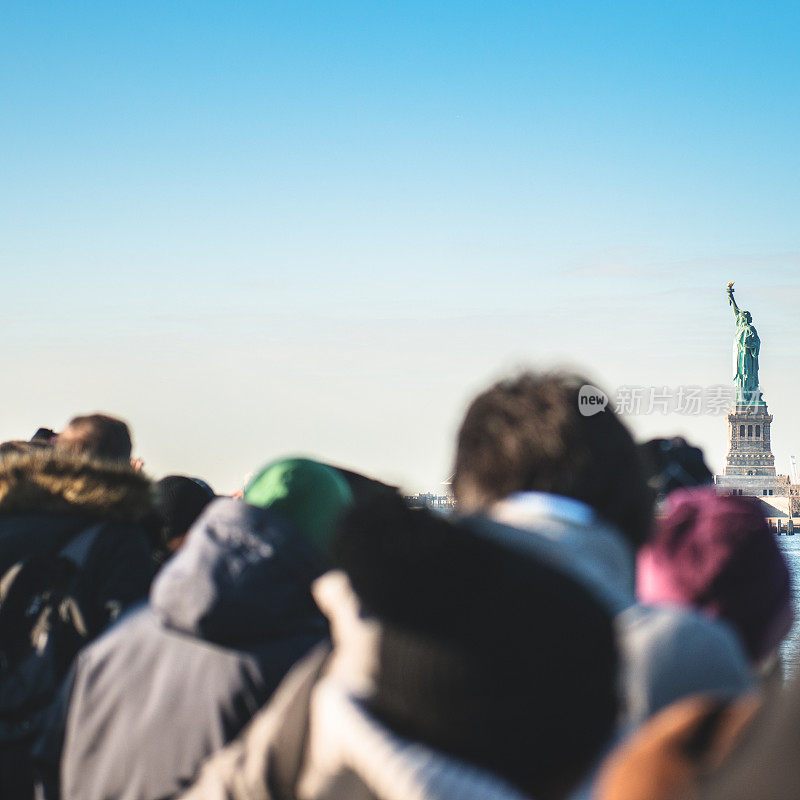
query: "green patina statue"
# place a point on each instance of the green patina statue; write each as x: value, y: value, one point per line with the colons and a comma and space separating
x: 747, y: 346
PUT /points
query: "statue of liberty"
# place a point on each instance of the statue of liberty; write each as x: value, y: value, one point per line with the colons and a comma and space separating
x: 747, y: 346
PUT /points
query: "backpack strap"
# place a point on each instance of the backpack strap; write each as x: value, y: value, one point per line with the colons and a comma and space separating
x: 78, y: 547
x: 288, y: 753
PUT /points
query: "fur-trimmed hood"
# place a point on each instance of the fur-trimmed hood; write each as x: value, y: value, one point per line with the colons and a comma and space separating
x: 53, y: 482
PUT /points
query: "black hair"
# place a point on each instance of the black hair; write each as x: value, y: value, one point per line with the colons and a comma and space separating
x: 673, y: 464
x: 179, y: 501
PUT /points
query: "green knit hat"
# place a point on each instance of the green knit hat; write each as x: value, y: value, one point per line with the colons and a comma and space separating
x: 310, y: 495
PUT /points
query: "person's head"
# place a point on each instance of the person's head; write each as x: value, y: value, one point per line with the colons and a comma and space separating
x: 311, y: 495
x: 673, y: 464
x: 492, y: 657
x: 716, y: 553
x: 748, y: 317
x: 527, y: 433
x: 96, y: 435
x: 179, y: 502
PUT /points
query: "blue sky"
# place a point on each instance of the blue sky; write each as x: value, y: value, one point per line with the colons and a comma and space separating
x: 258, y: 228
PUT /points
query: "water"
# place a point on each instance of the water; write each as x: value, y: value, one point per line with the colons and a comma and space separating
x: 791, y: 645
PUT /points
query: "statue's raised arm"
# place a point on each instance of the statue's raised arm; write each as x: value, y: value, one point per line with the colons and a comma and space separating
x: 732, y: 300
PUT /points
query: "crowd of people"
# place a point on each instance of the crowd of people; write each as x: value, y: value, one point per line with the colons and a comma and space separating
x: 592, y: 621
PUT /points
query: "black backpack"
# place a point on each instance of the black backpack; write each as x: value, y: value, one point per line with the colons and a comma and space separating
x: 45, y: 618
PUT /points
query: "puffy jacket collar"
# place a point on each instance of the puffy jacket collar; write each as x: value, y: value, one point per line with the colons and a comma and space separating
x: 345, y: 737
x: 243, y: 576
x: 570, y: 534
x: 525, y: 506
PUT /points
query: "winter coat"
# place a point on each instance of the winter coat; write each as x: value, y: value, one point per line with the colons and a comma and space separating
x: 48, y: 497
x: 47, y: 500
x: 178, y: 678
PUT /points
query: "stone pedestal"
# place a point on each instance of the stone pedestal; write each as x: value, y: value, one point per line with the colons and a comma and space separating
x: 750, y: 465
x: 749, y: 444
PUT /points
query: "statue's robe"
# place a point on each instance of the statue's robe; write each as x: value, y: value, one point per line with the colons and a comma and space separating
x: 747, y: 346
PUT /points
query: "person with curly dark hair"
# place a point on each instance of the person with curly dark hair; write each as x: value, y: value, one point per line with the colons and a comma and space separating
x: 544, y: 477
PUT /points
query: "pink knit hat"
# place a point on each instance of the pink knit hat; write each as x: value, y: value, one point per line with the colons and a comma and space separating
x: 717, y: 554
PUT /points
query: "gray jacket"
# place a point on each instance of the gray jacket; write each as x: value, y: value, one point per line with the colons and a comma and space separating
x: 177, y: 679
